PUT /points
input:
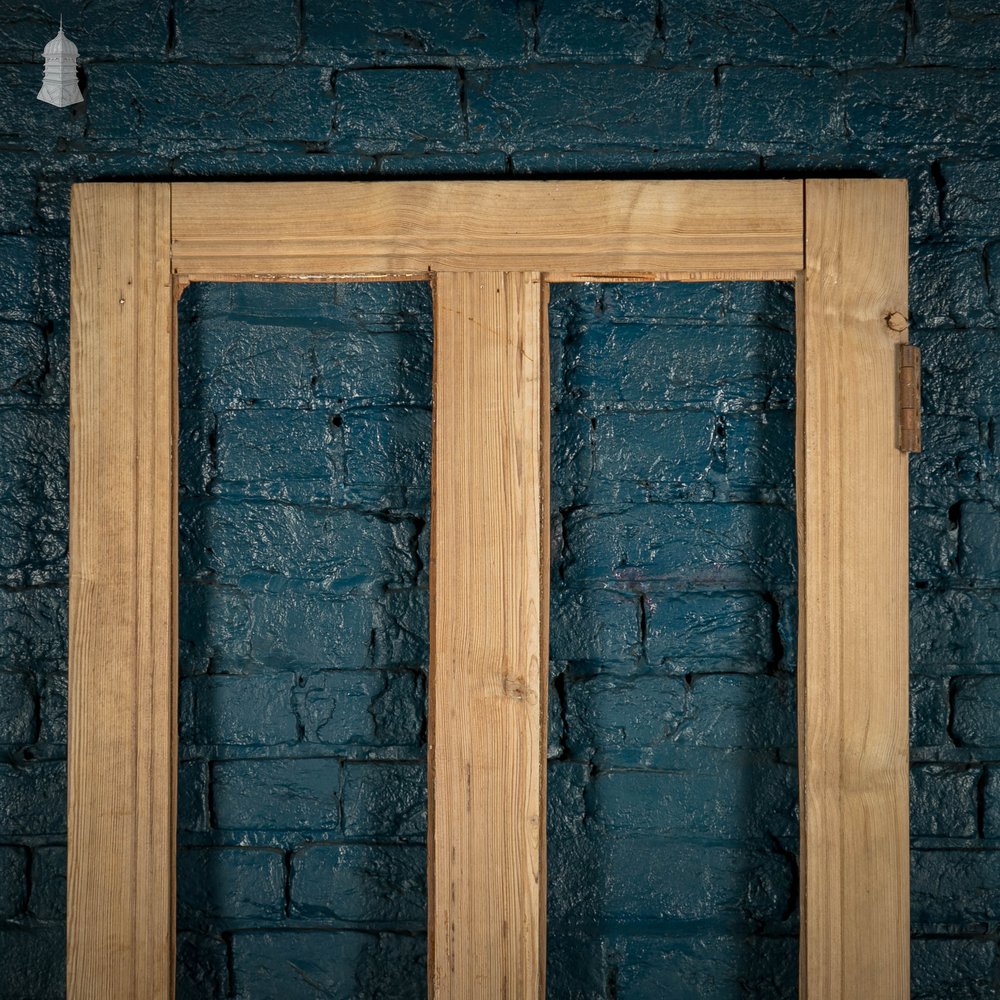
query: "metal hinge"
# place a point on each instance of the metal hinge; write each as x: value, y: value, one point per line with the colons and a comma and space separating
x: 909, y: 398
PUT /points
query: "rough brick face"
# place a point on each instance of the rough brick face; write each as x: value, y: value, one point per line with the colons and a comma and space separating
x: 304, y: 453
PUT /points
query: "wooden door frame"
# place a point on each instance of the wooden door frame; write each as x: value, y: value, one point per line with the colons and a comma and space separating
x: 489, y: 249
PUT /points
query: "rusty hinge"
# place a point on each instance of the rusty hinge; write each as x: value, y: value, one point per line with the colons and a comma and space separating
x: 909, y: 398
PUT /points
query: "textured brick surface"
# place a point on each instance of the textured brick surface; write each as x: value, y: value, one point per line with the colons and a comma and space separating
x: 304, y: 452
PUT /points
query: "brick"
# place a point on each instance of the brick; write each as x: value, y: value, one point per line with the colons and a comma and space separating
x: 462, y: 166
x: 105, y: 28
x: 705, y: 546
x: 17, y: 277
x: 360, y: 884
x: 591, y: 30
x: 921, y: 108
x: 991, y: 804
x: 950, y: 887
x: 929, y: 710
x: 387, y: 450
x: 13, y: 881
x: 943, y: 801
x: 192, y: 796
x: 954, y: 629
x: 396, y: 32
x: 34, y: 957
x: 759, y: 455
x: 260, y: 545
x: 957, y: 372
x: 17, y: 708
x: 971, y: 199
x: 17, y: 189
x: 48, y: 883
x: 708, y: 967
x: 276, y: 795
x: 723, y: 797
x: 976, y: 711
x: 635, y: 721
x: 665, y: 886
x: 201, y: 966
x: 934, y: 545
x: 34, y: 458
x: 730, y: 629
x: 361, y: 708
x: 948, y: 286
x: 955, y: 33
x: 653, y: 365
x: 953, y: 969
x: 800, y: 33
x: 559, y: 106
x: 238, y: 711
x: 33, y: 624
x: 234, y: 103
x: 389, y: 110
x: 280, y: 454
x: 385, y: 801
x: 208, y: 31
x: 289, y: 964
x: 239, y: 882
x: 33, y: 798
x: 19, y: 110
x: 809, y: 112
x: 951, y: 461
x: 653, y: 455
x: 599, y: 625
x: 979, y: 542
x: 22, y: 360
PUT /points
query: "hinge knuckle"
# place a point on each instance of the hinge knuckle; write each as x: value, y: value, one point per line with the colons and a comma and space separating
x: 909, y: 398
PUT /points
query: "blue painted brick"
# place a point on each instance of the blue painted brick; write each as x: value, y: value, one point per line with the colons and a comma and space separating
x: 34, y: 957
x: 389, y: 110
x: 592, y: 30
x: 719, y: 797
x: 186, y: 102
x: 991, y: 804
x: 347, y: 964
x: 971, y: 197
x: 388, y: 449
x: 730, y: 629
x: 33, y: 624
x: 33, y: 798
x: 476, y: 32
x: 48, y: 883
x: 561, y: 106
x: 360, y: 708
x: 21, y: 113
x: 976, y: 711
x: 797, y: 33
x: 17, y: 270
x: 22, y: 360
x: 385, y: 801
x: 808, y: 114
x: 239, y: 882
x: 650, y: 365
x: 599, y: 625
x: 192, y: 796
x: 957, y: 371
x: 13, y: 881
x: 211, y: 31
x: 706, y: 966
x: 285, y: 454
x: 238, y: 711
x: 955, y: 33
x: 953, y: 887
x: 949, y: 286
x: 943, y: 801
x: 273, y: 545
x: 276, y: 795
x: 934, y: 545
x: 653, y: 455
x: 370, y: 886
x: 954, y: 629
x: 760, y: 452
x: 17, y: 708
x: 979, y: 542
x: 959, y: 969
x: 706, y: 546
x: 17, y: 189
x: 929, y: 710
x: 201, y: 966
x: 33, y: 462
x: 951, y: 461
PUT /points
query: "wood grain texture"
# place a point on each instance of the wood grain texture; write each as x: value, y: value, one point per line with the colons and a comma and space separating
x: 415, y: 227
x: 853, y: 611
x: 489, y: 637
x: 123, y: 610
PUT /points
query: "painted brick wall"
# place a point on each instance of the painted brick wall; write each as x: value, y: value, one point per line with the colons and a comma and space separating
x: 305, y: 475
